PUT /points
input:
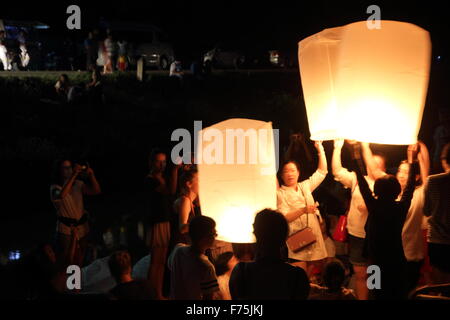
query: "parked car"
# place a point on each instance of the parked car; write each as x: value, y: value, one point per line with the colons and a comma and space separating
x: 145, y: 41
x: 224, y: 56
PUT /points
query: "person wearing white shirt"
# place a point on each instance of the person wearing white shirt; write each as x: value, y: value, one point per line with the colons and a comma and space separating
x: 296, y: 203
x: 357, y: 215
x: 412, y: 233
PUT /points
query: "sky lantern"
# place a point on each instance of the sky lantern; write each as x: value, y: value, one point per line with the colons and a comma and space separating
x: 366, y: 84
x: 237, y: 175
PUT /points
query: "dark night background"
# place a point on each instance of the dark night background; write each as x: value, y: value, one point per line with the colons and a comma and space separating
x: 196, y: 25
x: 193, y: 28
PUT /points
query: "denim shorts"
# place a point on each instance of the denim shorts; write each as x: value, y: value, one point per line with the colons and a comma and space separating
x: 355, y: 251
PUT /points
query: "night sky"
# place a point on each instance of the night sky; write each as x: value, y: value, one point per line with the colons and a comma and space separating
x: 197, y: 25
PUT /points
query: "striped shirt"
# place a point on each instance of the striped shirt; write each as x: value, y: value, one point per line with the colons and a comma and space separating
x: 437, y: 207
x: 192, y: 275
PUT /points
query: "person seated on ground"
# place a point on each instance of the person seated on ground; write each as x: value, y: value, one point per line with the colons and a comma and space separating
x: 193, y: 276
x: 333, y: 277
x: 62, y: 86
x: 437, y: 207
x: 384, y: 225
x: 269, y: 278
x: 127, y: 288
x: 225, y: 264
x: 47, y: 272
x: 95, y: 88
x: 66, y: 91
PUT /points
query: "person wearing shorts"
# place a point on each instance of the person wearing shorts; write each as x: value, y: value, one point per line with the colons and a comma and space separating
x: 157, y: 213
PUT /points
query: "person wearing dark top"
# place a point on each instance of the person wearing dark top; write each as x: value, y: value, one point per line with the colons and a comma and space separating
x: 127, y: 288
x: 185, y: 206
x: 383, y: 245
x: 94, y: 91
x: 269, y: 277
x: 157, y: 211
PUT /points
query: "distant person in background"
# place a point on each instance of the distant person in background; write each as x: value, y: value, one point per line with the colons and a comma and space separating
x: 127, y: 288
x: 224, y: 265
x: 91, y: 50
x: 437, y: 207
x: 69, y: 53
x: 122, y: 64
x: 333, y: 277
x: 111, y: 53
x: 23, y: 55
x: 176, y: 69
x: 4, y: 52
x: 269, y: 277
x: 66, y: 91
x: 66, y: 193
x: 63, y: 86
x: 95, y: 89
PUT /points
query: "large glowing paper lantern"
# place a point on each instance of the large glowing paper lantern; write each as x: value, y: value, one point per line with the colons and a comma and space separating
x: 366, y: 84
x: 237, y: 175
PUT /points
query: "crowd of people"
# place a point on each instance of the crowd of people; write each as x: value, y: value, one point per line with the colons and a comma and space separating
x: 12, y: 59
x: 398, y: 222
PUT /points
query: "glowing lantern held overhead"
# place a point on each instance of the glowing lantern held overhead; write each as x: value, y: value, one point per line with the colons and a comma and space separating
x: 237, y: 175
x: 366, y: 84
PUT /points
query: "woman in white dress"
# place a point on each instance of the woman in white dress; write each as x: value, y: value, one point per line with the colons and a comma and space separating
x: 296, y: 202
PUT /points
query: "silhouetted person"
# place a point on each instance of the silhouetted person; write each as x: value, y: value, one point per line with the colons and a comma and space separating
x: 437, y: 207
x: 333, y: 277
x: 94, y: 91
x: 269, y: 278
x: 383, y: 245
x: 91, y: 49
x: 127, y: 288
x: 224, y: 265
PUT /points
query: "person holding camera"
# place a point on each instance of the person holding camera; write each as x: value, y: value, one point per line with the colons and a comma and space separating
x: 66, y: 193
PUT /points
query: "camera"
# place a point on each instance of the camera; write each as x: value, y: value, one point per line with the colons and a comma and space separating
x: 83, y: 175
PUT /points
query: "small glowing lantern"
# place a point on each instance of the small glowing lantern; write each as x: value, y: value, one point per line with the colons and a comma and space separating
x: 237, y: 175
x: 366, y: 84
